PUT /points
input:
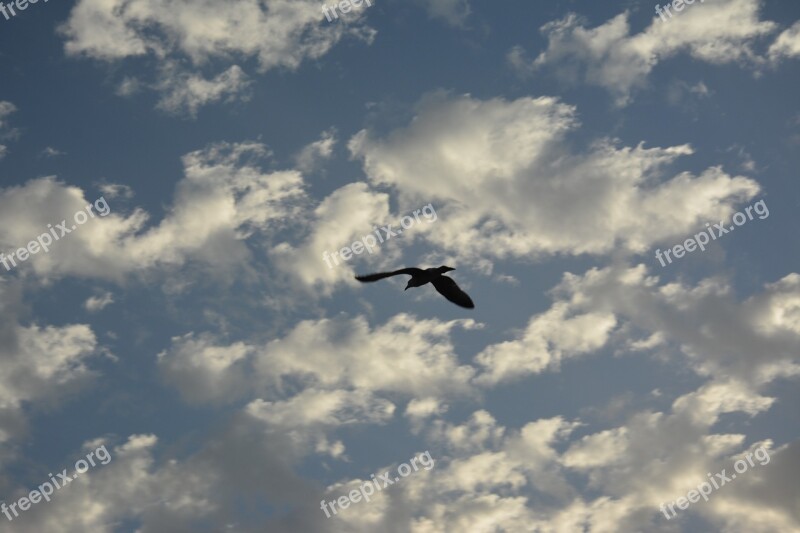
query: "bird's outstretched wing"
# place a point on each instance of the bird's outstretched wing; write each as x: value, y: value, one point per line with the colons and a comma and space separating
x: 450, y: 290
x: 381, y: 275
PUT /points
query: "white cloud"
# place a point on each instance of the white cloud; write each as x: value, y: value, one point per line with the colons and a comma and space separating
x: 753, y: 341
x: 510, y: 184
x: 276, y: 33
x: 787, y: 45
x: 130, y: 487
x: 369, y: 359
x: 221, y: 201
x: 205, y: 371
x: 46, y: 357
x: 308, y: 416
x: 98, y: 303
x: 487, y: 476
x: 550, y: 337
x: 129, y: 86
x: 419, y: 410
x: 494, y: 478
x: 186, y: 93
x: 344, y: 216
x: 310, y: 158
x: 609, y: 56
x: 159, y: 490
x: 480, y: 432
x: 116, y: 190
x: 39, y: 365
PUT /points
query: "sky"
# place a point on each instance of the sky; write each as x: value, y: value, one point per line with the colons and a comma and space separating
x: 183, y: 345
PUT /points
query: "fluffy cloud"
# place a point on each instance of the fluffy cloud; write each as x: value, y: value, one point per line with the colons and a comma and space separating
x: 98, y: 303
x: 344, y: 216
x: 609, y: 56
x: 276, y: 33
x: 239, y: 465
x: 223, y: 199
x: 419, y: 410
x: 489, y: 477
x: 186, y: 93
x: 367, y: 359
x: 511, y: 185
x: 308, y: 398
x: 753, y: 342
x: 39, y: 365
x: 549, y: 338
x: 307, y: 417
x: 787, y: 45
x: 310, y: 158
x: 739, y: 346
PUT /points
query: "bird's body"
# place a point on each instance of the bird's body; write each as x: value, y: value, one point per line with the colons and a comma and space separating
x: 419, y: 277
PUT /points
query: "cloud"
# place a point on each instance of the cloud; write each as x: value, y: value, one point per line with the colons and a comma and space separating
x: 205, y: 371
x: 547, y: 475
x: 682, y: 94
x: 419, y: 410
x: 6, y: 109
x: 39, y: 365
x: 369, y: 359
x: 344, y: 216
x: 307, y: 417
x: 484, y: 478
x: 511, y: 184
x: 202, y: 35
x: 551, y: 473
x: 611, y: 57
x: 787, y: 45
x: 98, y: 303
x: 116, y: 190
x: 453, y: 12
x: 185, y: 93
x: 51, y: 152
x: 310, y: 158
x: 223, y: 199
x: 549, y: 338
x: 755, y: 340
x: 203, y: 490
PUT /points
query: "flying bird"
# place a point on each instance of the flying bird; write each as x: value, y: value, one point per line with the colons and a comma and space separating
x: 419, y: 277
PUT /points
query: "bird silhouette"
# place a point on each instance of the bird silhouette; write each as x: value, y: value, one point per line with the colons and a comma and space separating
x: 419, y: 277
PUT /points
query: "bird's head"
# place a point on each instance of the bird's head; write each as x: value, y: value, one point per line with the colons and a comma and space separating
x: 446, y: 269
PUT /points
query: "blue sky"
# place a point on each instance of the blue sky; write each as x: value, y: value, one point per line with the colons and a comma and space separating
x: 237, y: 381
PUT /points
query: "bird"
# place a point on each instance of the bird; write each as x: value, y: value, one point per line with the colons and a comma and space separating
x: 419, y: 277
